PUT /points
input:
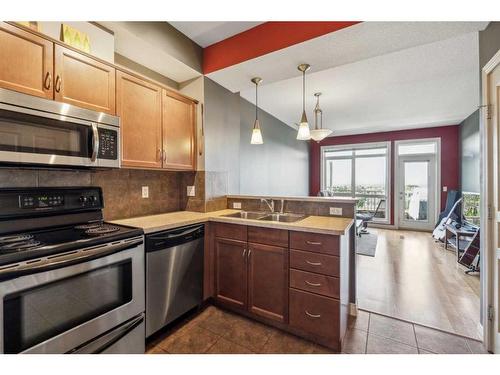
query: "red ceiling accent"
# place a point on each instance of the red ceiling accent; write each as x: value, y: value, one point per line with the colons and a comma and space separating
x: 262, y: 39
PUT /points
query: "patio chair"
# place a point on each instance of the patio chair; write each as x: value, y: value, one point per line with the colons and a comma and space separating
x: 363, y: 219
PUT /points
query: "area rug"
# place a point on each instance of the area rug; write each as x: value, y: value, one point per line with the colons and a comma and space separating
x: 367, y: 244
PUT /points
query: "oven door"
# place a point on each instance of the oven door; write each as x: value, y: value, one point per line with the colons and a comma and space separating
x: 68, y: 304
x: 37, y: 137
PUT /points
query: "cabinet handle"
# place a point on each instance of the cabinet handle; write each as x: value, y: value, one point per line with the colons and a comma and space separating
x: 313, y: 263
x: 249, y: 252
x: 164, y: 155
x: 160, y: 154
x: 312, y: 284
x: 244, y: 252
x: 313, y: 243
x: 48, y: 81
x: 315, y: 316
x: 58, y: 84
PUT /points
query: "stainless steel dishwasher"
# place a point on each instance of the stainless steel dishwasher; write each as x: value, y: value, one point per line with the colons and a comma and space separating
x: 174, y: 274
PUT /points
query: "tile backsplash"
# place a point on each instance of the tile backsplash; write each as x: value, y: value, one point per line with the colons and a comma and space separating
x: 121, y: 187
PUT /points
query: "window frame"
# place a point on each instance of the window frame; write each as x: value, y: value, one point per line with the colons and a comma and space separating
x: 353, y: 157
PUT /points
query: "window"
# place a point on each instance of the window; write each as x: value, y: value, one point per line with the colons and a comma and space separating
x: 417, y: 149
x: 359, y: 171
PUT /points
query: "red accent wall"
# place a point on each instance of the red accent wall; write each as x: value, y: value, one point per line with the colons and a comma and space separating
x: 262, y: 39
x: 450, y: 162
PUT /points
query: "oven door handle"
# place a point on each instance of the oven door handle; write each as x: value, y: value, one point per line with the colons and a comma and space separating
x: 106, y: 340
x: 95, y: 142
x: 67, y: 259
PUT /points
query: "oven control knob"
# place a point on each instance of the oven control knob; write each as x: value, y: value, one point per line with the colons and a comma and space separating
x: 83, y: 199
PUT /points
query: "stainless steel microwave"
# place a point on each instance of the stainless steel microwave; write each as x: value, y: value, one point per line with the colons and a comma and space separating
x: 38, y: 131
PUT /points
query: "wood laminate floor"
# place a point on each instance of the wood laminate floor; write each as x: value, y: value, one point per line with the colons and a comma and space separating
x: 215, y: 331
x: 413, y: 278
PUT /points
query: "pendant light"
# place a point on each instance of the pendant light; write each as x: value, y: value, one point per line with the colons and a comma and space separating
x: 303, y: 133
x: 256, y: 133
x: 318, y: 133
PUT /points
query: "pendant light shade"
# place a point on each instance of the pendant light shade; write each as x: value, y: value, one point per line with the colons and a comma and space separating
x: 256, y: 132
x: 318, y: 133
x: 304, y: 132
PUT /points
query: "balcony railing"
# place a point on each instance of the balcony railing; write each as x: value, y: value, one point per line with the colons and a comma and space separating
x: 367, y: 202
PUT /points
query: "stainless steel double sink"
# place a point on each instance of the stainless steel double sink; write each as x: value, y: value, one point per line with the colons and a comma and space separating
x: 267, y: 216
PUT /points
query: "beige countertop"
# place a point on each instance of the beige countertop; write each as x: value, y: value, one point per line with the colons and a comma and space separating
x: 314, y: 224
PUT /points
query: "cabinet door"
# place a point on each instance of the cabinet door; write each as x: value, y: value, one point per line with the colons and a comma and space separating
x: 178, y: 132
x: 231, y: 272
x: 138, y: 103
x: 268, y: 281
x: 84, y: 82
x: 26, y: 62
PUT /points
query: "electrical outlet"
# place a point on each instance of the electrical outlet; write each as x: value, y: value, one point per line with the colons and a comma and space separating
x: 190, y: 191
x: 445, y: 188
x: 237, y: 205
x: 145, y: 191
x: 335, y: 210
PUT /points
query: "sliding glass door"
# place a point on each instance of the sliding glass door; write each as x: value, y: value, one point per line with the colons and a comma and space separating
x: 359, y: 171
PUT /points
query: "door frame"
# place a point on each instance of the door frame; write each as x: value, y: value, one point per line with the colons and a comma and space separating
x: 437, y: 179
x: 489, y: 208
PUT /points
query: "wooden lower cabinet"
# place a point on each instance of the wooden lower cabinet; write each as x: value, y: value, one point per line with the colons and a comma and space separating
x: 231, y: 272
x: 305, y: 292
x: 315, y: 314
x: 268, y: 281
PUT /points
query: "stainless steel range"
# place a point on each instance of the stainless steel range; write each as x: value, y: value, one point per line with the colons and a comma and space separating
x: 69, y: 282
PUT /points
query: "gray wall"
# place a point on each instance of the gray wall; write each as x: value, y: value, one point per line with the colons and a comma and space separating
x: 278, y: 167
x: 489, y: 42
x: 222, y: 133
x: 470, y: 159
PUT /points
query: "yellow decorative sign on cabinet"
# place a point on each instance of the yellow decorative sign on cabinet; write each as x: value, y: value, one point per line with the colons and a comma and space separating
x: 75, y: 38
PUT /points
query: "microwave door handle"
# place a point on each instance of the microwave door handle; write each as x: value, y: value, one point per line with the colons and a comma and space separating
x: 95, y: 142
x: 67, y: 260
x: 105, y: 341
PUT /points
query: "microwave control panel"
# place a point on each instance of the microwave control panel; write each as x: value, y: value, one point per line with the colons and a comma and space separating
x: 108, y: 144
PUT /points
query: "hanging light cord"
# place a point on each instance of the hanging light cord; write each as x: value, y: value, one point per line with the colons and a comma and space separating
x: 256, y: 102
x: 304, y: 90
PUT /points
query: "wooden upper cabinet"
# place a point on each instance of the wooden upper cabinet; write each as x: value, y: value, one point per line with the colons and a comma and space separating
x: 25, y: 62
x: 82, y: 81
x: 268, y: 281
x: 231, y: 272
x: 179, y: 126
x: 138, y: 103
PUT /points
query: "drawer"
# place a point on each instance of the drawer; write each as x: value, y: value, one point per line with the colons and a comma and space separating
x: 320, y: 243
x: 314, y: 314
x: 315, y: 262
x: 268, y: 236
x: 312, y: 282
x: 231, y: 231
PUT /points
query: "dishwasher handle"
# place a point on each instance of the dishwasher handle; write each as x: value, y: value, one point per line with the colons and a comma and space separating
x: 174, y: 237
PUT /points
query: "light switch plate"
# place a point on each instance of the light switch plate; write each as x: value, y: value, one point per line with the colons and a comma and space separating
x: 237, y: 205
x: 445, y: 188
x: 190, y: 191
x: 145, y: 191
x: 335, y: 210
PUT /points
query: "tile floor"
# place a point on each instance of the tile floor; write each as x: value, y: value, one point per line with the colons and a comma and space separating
x: 220, y: 332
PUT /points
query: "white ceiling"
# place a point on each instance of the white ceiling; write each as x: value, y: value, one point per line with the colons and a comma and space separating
x: 208, y: 33
x: 428, y: 85
x: 354, y: 43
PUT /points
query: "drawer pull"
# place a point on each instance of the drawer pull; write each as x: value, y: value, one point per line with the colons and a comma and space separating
x: 244, y: 252
x: 313, y: 263
x: 315, y: 316
x: 313, y: 243
x: 312, y: 284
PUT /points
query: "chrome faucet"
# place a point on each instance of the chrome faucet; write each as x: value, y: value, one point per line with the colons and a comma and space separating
x: 266, y: 201
x: 282, y: 207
